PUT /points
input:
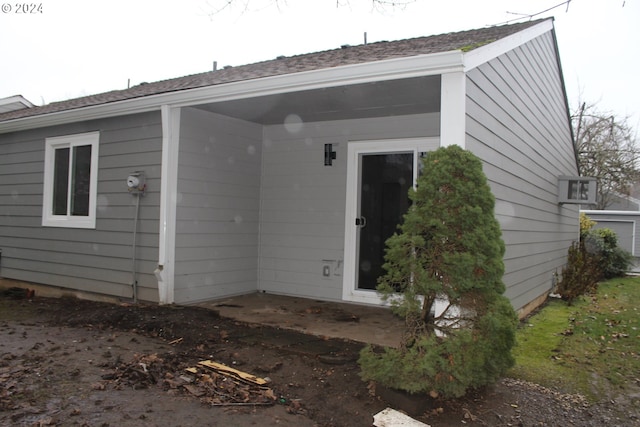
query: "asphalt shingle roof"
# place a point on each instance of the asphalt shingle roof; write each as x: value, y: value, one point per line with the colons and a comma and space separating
x: 346, y: 55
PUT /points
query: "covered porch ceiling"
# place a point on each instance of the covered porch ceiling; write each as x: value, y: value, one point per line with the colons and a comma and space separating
x: 416, y: 95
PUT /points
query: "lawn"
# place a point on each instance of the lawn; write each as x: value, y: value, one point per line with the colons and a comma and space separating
x: 591, y: 347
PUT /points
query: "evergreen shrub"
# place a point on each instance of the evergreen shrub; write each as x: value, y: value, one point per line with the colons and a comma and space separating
x: 443, y: 275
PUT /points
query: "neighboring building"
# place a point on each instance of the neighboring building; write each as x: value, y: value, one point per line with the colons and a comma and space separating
x: 625, y: 224
x: 286, y: 176
x: 623, y: 217
x: 624, y: 203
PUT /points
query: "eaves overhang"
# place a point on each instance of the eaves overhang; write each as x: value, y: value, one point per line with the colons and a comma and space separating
x: 384, y: 70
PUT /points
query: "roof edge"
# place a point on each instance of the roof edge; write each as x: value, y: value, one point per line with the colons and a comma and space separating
x: 481, y: 55
x: 389, y: 69
x: 606, y: 212
x: 16, y: 99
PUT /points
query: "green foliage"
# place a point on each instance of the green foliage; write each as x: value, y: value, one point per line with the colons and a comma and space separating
x: 586, y: 224
x: 613, y: 260
x: 449, y: 249
x: 467, y: 358
x: 596, y: 257
x: 581, y: 273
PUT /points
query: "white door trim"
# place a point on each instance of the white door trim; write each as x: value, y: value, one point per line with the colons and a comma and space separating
x: 354, y: 150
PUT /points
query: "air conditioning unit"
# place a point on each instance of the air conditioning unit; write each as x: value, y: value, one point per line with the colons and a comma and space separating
x: 577, y: 190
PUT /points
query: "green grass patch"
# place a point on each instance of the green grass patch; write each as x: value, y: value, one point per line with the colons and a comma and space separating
x: 591, y: 347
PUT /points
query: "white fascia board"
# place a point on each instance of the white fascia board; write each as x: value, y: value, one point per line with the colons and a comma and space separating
x: 16, y: 99
x: 481, y: 55
x: 606, y: 212
x: 391, y: 69
x: 111, y: 109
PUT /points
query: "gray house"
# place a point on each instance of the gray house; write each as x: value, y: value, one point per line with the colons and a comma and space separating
x: 286, y: 176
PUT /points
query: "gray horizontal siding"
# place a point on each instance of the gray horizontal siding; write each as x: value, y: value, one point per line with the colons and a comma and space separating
x: 517, y: 124
x: 218, y: 206
x: 303, y: 201
x: 97, y: 260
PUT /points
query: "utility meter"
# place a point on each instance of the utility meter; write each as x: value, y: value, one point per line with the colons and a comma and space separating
x: 135, y: 182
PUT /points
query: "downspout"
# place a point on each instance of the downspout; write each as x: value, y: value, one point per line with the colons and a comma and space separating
x: 165, y: 273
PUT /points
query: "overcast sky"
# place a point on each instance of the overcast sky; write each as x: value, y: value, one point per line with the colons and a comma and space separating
x: 72, y: 48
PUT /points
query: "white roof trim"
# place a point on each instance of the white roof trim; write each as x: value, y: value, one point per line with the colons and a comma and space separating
x: 484, y: 54
x: 390, y: 69
x: 606, y: 212
x: 19, y: 100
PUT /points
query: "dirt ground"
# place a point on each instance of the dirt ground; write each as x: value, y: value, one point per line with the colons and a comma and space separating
x: 70, y: 362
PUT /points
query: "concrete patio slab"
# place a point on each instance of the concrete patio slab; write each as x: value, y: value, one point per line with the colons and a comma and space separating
x: 366, y: 324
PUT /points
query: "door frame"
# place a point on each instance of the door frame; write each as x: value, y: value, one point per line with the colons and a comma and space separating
x: 354, y: 150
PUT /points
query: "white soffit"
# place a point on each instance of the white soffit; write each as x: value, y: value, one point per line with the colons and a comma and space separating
x: 483, y: 54
x: 390, y: 69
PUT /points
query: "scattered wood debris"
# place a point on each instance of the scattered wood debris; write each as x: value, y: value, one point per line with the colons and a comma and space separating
x: 224, y: 369
x: 213, y: 383
x: 220, y: 385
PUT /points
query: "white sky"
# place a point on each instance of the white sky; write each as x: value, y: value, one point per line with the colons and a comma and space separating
x: 80, y: 47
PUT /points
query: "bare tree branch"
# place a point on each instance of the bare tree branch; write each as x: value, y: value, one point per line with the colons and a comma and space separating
x: 607, y: 150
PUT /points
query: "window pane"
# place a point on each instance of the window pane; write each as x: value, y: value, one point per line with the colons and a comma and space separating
x: 81, y: 180
x: 584, y: 190
x: 384, y: 199
x: 61, y: 181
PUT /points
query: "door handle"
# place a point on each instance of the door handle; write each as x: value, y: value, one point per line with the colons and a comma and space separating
x: 361, y: 222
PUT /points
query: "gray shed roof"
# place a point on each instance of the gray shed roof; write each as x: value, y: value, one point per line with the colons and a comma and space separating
x: 346, y: 55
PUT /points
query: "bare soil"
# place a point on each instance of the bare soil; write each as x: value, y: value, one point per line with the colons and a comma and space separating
x: 75, y: 362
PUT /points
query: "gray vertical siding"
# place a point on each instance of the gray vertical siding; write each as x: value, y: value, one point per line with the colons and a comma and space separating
x: 517, y: 124
x: 218, y: 206
x: 303, y: 201
x: 97, y: 260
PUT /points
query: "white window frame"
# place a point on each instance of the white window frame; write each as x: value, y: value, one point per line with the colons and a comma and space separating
x: 69, y: 141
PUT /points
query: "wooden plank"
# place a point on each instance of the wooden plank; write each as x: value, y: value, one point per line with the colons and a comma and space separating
x: 224, y: 369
